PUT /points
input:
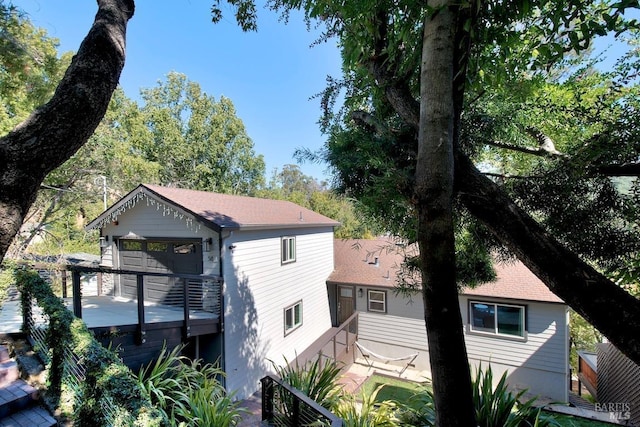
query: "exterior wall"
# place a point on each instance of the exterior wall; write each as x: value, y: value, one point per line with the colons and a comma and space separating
x: 539, y: 364
x: 258, y: 287
x: 399, y: 332
x: 147, y: 221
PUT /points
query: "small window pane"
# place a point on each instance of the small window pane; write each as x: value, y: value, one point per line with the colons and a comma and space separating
x: 186, y: 248
x: 289, y: 319
x: 510, y: 320
x: 131, y: 245
x: 483, y: 317
x: 346, y: 292
x: 297, y: 314
x: 157, y: 246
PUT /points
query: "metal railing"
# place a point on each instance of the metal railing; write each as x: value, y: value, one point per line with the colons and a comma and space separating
x: 191, y: 293
x: 283, y: 405
x: 341, y: 341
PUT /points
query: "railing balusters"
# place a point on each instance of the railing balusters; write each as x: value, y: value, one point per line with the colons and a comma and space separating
x: 283, y: 405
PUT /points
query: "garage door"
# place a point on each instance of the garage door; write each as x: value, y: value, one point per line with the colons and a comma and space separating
x: 159, y: 256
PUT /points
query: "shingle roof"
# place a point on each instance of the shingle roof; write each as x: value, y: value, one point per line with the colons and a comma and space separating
x: 355, y: 264
x: 230, y: 211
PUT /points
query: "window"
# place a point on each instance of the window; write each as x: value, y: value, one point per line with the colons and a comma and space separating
x: 498, y: 319
x: 292, y: 317
x: 157, y: 246
x: 184, y: 248
x: 377, y: 301
x: 131, y: 245
x: 288, y: 249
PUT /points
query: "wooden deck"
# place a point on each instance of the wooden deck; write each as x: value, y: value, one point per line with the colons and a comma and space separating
x: 104, y: 312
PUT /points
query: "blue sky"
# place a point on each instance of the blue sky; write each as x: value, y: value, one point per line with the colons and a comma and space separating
x: 269, y: 75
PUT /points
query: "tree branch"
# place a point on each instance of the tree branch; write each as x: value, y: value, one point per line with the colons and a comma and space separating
x: 628, y: 169
x: 527, y: 150
x: 55, y: 131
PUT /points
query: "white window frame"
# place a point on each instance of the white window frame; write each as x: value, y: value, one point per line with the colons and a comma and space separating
x: 293, y: 325
x: 377, y: 301
x: 495, y: 332
x: 288, y: 249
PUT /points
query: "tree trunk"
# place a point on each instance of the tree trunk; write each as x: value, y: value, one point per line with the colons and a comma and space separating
x: 612, y: 310
x: 434, y: 203
x: 55, y: 131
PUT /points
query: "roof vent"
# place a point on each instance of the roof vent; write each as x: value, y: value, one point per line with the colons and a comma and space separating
x: 377, y: 262
x: 301, y: 218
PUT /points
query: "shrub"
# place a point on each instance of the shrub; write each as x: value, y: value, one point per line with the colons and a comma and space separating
x: 107, y: 394
x: 494, y: 406
x: 367, y: 413
x: 319, y: 382
x: 189, y: 393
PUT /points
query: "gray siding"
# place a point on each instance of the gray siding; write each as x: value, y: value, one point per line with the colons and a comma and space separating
x: 539, y: 363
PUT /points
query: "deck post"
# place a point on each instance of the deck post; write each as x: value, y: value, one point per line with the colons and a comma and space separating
x: 141, y: 321
x: 63, y: 278
x: 267, y: 398
x: 335, y: 354
x: 77, y: 294
x: 187, y: 320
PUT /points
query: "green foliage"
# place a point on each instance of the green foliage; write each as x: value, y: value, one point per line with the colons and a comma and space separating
x: 390, y: 388
x: 419, y: 409
x: 292, y: 185
x: 200, y: 142
x: 583, y: 336
x: 494, y: 406
x: 7, y: 279
x: 107, y: 382
x: 29, y: 66
x: 188, y: 393
x: 368, y: 412
x: 316, y: 380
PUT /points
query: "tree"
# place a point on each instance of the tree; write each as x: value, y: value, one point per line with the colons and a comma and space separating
x: 293, y: 185
x: 474, y: 47
x: 55, y: 131
x: 200, y: 142
x: 29, y: 67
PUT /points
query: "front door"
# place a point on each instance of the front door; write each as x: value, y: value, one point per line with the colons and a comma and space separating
x: 346, y: 303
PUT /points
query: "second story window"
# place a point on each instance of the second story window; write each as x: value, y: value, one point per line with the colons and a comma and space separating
x: 288, y: 249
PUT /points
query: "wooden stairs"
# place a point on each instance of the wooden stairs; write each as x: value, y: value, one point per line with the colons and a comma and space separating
x: 19, y: 406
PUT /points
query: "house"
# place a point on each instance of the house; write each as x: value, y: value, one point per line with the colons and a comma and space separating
x: 272, y: 258
x: 515, y: 323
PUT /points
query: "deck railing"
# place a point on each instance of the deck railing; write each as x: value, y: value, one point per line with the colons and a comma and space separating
x: 342, y: 340
x: 77, y: 364
x: 283, y: 405
x: 190, y: 292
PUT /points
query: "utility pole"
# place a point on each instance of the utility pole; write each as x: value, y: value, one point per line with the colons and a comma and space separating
x: 104, y: 189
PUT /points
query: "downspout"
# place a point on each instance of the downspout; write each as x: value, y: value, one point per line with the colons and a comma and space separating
x: 223, y: 355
